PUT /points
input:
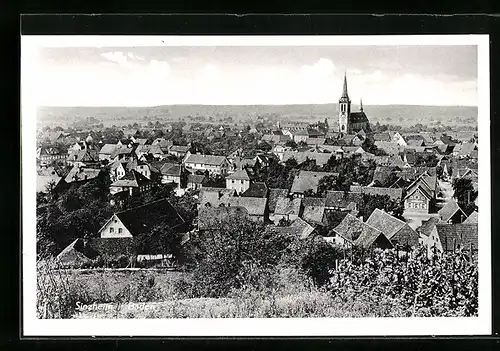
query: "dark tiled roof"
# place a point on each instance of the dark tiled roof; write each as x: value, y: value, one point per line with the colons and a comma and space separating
x: 314, y: 209
x: 133, y: 179
x: 287, y: 206
x: 395, y: 194
x: 369, y: 239
x: 257, y: 189
x: 209, y: 217
x: 307, y: 180
x: 382, y: 137
x: 472, y: 219
x: 341, y: 199
x: 171, y: 169
x: 358, y: 117
x: 428, y: 225
x: 240, y: 174
x: 82, y: 173
x: 464, y: 235
x: 384, y: 222
x: 351, y: 228
x: 143, y: 218
x: 274, y: 195
x: 449, y: 210
x: 196, y: 178
x: 256, y: 206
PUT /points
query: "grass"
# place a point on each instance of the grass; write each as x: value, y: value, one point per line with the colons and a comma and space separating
x: 302, y: 305
x: 156, y: 294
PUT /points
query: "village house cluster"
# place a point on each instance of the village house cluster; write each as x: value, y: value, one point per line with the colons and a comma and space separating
x: 136, y: 165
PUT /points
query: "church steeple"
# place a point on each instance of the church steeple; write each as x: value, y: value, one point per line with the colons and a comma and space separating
x: 344, y: 89
x: 361, y: 105
x: 344, y: 109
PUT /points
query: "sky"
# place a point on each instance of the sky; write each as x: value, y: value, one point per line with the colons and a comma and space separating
x: 245, y: 75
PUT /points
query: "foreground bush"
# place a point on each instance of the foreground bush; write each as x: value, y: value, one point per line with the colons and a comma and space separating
x: 418, y: 286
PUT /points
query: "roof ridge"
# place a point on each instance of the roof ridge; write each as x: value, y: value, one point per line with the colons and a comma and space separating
x: 149, y: 203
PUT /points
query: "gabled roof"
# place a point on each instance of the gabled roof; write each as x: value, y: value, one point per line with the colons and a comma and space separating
x: 358, y: 117
x: 208, y: 217
x: 240, y: 174
x: 72, y: 253
x: 179, y: 148
x: 205, y: 159
x: 463, y: 234
x: 256, y: 189
x: 314, y: 209
x: 315, y: 141
x: 351, y: 228
x: 449, y: 210
x: 142, y: 219
x: 196, y: 179
x: 131, y: 179
x: 274, y: 195
x: 81, y: 173
x: 215, y: 196
x: 384, y: 222
x: 395, y: 194
x: 382, y: 137
x: 303, y: 228
x: 472, y: 219
x: 388, y: 146
x: 171, y: 169
x: 464, y: 149
x: 368, y: 238
x: 108, y: 149
x: 342, y: 199
x: 298, y: 228
x: 320, y: 158
x: 256, y: 206
x: 84, y: 155
x: 287, y: 206
x: 428, y: 225
x: 307, y: 180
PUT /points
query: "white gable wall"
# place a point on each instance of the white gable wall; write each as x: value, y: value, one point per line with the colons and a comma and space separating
x: 114, y: 228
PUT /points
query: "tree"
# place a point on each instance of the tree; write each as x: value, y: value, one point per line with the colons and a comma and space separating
x: 371, y: 202
x: 331, y: 182
x: 464, y: 193
x: 291, y: 143
x: 231, y: 252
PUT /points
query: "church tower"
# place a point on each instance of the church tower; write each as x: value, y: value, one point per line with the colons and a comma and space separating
x: 344, y: 110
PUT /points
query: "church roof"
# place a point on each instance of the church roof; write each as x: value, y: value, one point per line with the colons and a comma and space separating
x: 344, y: 88
x: 358, y: 117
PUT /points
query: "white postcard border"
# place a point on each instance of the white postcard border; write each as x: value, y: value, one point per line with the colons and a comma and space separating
x: 32, y: 326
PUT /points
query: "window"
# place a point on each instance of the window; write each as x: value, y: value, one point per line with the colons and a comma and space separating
x: 120, y: 230
x: 111, y: 229
x: 232, y: 181
x: 241, y: 182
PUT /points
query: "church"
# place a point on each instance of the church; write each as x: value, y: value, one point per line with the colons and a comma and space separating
x: 351, y: 122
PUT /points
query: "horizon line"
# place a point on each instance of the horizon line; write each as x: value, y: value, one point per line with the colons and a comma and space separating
x: 200, y: 104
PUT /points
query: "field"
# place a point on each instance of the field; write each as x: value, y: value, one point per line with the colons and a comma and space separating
x: 379, y: 285
x: 154, y: 294
x: 456, y: 116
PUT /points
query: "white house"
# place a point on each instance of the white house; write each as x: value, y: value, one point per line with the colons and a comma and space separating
x: 239, y: 181
x: 211, y: 163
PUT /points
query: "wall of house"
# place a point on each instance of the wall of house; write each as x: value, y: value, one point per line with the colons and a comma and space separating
x: 417, y: 202
x: 115, y: 229
x: 165, y: 179
x: 239, y: 185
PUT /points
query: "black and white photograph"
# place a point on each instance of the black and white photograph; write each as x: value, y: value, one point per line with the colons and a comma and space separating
x: 304, y: 185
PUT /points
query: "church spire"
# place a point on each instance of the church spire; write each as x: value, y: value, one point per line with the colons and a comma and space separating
x: 344, y: 89
x: 361, y: 105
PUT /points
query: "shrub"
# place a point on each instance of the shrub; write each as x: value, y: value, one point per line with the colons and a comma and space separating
x: 417, y: 286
